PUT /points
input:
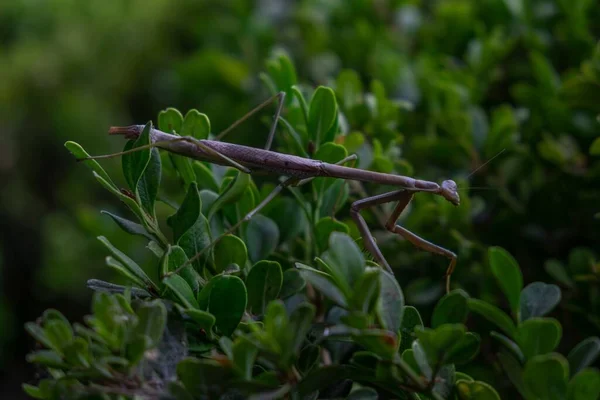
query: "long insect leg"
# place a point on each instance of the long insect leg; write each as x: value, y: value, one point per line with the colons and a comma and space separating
x: 159, y: 144
x: 280, y: 98
x: 418, y: 241
x: 363, y: 228
x: 403, y: 197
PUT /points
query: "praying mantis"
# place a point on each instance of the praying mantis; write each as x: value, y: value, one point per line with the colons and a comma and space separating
x: 298, y: 171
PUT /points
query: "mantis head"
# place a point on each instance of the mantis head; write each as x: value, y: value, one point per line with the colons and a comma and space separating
x: 449, y: 190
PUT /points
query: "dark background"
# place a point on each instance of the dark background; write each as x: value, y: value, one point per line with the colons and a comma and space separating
x: 69, y: 69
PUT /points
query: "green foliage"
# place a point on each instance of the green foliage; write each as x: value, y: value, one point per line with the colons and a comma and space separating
x: 287, y: 304
x: 120, y: 343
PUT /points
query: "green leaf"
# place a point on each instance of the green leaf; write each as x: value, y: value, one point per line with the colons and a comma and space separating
x: 205, y: 320
x: 247, y: 202
x: 204, y: 177
x: 244, y: 355
x: 190, y: 228
x: 47, y: 358
x: 308, y: 358
x: 409, y: 359
x: 53, y: 314
x: 509, y: 345
x: 334, y: 197
x: 293, y: 282
x: 538, y: 336
x: 464, y: 350
x: 130, y: 227
x: 227, y: 302
x: 545, y: 377
x: 538, y: 299
x: 155, y: 249
x: 366, y: 291
x: 152, y: 319
x: 130, y: 202
x: 147, y: 188
x: 345, y: 259
x: 135, y: 349
x: 584, y: 385
x: 229, y: 250
x: 513, y: 369
x: 452, y: 308
x: 181, y: 290
x: 323, y: 229
x: 187, y: 214
x: 439, y: 341
x: 475, y: 390
x: 262, y: 237
x: 282, y: 71
x: 196, y: 240
x: 77, y: 353
x: 508, y: 274
x: 323, y: 283
x: 420, y: 359
x: 380, y: 342
x: 301, y: 320
x: 170, y: 120
x: 196, y: 125
x: 33, y: 391
x: 80, y: 153
x: 173, y: 259
x: 232, y: 193
x: 494, y: 315
x: 263, y: 284
x: 131, y: 266
x: 297, y: 139
x: 125, y: 272
x: 184, y: 167
x: 322, y: 113
x: 282, y: 210
x: 410, y: 320
x: 391, y: 302
x: 584, y: 354
x: 38, y: 334
x: 331, y: 153
x: 142, y: 170
x: 278, y: 336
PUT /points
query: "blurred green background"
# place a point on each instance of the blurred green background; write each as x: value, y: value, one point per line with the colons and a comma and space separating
x: 474, y: 77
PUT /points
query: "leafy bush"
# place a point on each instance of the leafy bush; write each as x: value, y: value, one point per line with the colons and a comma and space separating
x: 287, y: 305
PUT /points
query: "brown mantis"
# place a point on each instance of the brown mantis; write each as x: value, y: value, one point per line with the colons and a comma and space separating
x: 300, y: 170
